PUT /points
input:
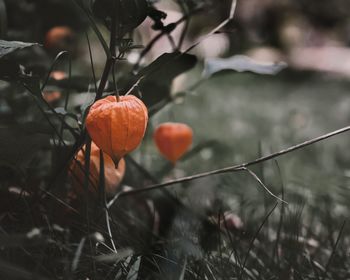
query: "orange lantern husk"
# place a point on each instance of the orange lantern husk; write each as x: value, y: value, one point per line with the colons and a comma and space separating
x: 113, y: 176
x: 173, y: 140
x: 117, y: 126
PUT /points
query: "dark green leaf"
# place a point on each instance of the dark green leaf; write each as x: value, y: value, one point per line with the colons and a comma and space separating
x: 10, y: 68
x: 158, y: 76
x: 129, y: 13
x: 169, y: 65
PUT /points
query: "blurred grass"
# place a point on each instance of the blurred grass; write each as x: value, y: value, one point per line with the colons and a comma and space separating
x: 237, y: 118
x: 252, y: 115
x: 244, y: 111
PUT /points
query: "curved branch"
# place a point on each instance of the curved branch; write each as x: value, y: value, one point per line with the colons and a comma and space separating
x: 217, y: 28
x: 234, y: 168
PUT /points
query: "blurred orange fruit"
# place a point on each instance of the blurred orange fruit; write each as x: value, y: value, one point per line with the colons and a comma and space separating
x: 173, y: 140
x: 59, y: 38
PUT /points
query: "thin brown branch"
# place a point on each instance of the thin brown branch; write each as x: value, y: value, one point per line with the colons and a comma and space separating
x: 217, y: 28
x: 234, y: 168
x: 184, y: 18
x: 134, y: 86
x: 256, y: 177
x: 110, y: 59
x: 155, y: 39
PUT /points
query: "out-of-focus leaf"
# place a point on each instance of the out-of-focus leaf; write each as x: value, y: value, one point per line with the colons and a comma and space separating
x: 158, y: 76
x: 129, y: 13
x: 19, y: 144
x: 241, y: 63
x: 8, y: 47
x: 78, y: 83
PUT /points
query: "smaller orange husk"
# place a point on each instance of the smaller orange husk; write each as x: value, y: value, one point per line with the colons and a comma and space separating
x: 58, y: 36
x: 173, y: 140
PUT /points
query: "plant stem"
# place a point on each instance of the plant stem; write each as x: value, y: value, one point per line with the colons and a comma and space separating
x: 111, y: 58
x: 82, y: 139
x: 239, y: 167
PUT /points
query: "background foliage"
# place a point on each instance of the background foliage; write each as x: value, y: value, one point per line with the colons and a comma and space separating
x: 218, y: 227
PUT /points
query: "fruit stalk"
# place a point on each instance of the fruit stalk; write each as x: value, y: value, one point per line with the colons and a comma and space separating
x: 110, y: 61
